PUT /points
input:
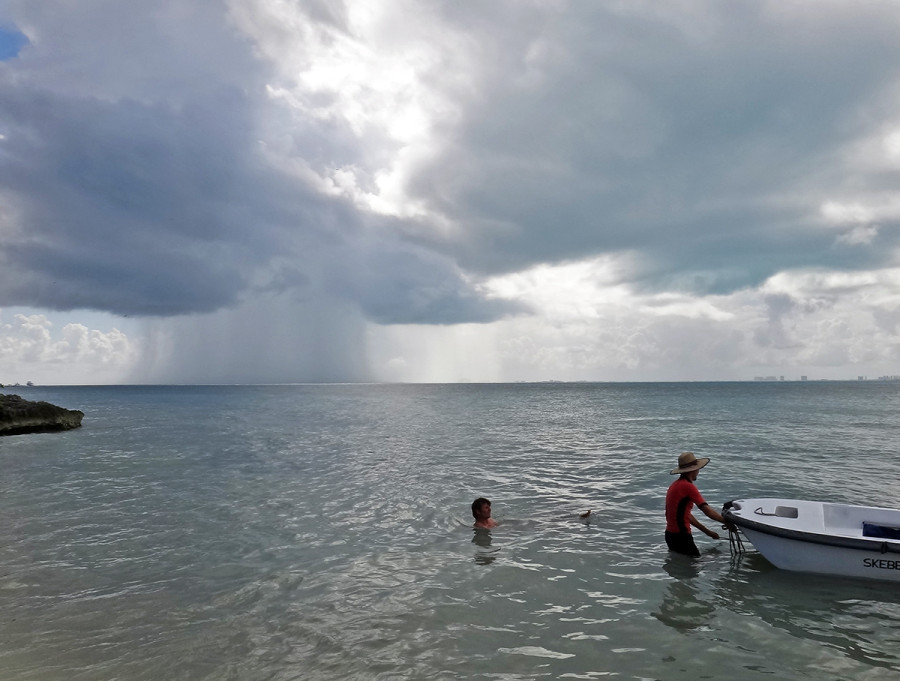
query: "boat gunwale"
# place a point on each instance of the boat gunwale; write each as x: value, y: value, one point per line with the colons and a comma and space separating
x: 875, y: 545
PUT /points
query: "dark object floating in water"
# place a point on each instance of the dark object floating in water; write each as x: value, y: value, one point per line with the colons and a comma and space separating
x: 18, y: 416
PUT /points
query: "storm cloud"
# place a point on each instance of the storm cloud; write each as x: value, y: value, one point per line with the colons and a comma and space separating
x: 264, y: 174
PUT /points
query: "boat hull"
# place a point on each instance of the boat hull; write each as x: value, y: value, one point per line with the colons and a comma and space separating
x: 821, y: 538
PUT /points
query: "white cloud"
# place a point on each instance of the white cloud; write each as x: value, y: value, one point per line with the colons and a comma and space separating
x: 370, y: 68
x: 30, y: 350
x: 892, y: 147
x: 819, y: 323
x: 860, y: 235
x: 594, y: 289
x: 842, y: 213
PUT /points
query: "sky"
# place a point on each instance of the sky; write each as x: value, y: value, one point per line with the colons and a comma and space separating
x: 280, y: 191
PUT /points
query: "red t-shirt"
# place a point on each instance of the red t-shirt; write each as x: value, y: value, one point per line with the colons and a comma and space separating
x: 680, y: 499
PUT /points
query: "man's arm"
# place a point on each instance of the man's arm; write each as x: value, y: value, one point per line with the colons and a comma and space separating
x: 712, y: 514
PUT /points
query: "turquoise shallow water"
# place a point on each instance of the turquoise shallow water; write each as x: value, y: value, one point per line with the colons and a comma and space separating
x: 323, y: 532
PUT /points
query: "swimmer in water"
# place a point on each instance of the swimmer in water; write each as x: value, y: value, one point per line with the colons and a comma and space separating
x: 481, y: 511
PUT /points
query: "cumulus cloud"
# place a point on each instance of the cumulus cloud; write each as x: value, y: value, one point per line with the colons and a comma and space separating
x: 32, y: 350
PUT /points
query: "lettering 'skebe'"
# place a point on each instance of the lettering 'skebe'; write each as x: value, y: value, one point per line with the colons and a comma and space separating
x: 882, y: 563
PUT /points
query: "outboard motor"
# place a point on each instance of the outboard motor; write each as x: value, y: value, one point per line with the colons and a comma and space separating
x: 734, y: 536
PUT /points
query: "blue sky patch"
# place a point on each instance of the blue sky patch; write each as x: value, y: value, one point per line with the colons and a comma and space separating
x: 11, y: 41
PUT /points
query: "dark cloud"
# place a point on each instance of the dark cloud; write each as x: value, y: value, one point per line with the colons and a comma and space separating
x: 396, y: 283
x: 143, y: 187
x: 128, y: 207
x: 706, y: 145
x: 148, y: 168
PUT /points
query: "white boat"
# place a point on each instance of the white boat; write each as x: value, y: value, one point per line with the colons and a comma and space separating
x: 816, y: 536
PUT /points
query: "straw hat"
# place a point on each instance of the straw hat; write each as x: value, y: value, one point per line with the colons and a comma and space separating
x: 687, y: 462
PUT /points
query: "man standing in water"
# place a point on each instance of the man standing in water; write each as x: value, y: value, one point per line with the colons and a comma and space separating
x: 680, y: 498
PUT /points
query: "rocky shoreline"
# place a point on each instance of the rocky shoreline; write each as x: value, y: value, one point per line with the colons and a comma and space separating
x: 18, y: 416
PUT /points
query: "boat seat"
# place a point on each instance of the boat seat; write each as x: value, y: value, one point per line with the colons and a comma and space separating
x: 880, y: 531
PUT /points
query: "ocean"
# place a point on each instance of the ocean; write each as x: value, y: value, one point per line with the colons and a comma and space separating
x: 324, y: 532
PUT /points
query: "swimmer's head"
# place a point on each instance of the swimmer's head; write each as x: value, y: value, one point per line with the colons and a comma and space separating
x: 477, y: 507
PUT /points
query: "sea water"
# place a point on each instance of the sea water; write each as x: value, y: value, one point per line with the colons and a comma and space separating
x: 324, y: 532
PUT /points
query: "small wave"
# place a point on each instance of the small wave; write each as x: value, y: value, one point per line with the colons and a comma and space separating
x: 536, y: 651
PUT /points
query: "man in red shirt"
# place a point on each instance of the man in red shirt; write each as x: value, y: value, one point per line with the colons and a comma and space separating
x: 680, y: 499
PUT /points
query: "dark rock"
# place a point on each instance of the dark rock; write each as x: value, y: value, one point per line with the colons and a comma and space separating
x: 18, y: 416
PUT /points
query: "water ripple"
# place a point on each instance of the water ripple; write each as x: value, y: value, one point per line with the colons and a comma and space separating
x: 323, y: 532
